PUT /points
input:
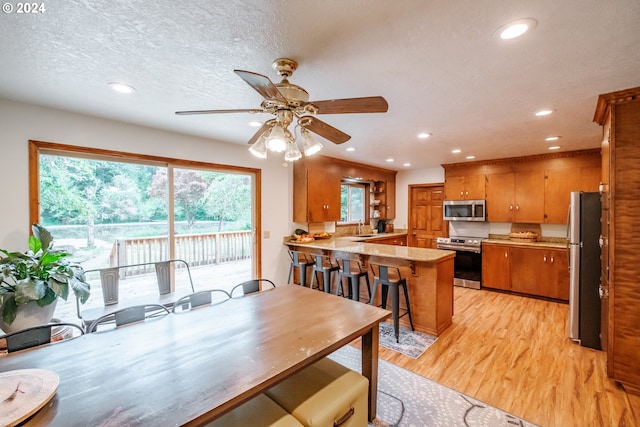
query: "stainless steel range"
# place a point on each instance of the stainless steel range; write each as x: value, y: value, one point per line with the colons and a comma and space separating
x: 467, y: 266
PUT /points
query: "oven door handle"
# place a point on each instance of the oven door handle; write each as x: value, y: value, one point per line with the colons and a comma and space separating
x: 475, y: 250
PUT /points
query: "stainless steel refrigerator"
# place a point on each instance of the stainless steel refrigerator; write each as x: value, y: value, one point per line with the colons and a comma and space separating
x: 583, y: 239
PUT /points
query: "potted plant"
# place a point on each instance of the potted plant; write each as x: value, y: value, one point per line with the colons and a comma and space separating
x: 31, y: 282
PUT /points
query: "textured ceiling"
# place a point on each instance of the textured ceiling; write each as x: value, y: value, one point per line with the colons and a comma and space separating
x: 437, y: 63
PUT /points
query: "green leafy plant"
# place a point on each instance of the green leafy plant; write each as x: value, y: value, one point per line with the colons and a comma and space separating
x: 40, y: 274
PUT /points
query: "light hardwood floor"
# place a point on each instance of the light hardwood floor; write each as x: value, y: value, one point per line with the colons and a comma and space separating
x: 512, y: 352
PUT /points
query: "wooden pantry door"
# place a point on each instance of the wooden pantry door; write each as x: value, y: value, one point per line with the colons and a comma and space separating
x: 425, y: 215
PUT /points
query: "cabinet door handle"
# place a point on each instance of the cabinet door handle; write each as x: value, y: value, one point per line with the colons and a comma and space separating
x: 545, y: 258
x: 461, y: 193
x: 551, y: 259
x: 466, y: 193
x: 517, y: 207
x: 510, y: 207
x: 506, y: 254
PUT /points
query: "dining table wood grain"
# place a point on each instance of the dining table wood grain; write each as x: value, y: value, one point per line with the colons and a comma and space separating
x: 191, y: 367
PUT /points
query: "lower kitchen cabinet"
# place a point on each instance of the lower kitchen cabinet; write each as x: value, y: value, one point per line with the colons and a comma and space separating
x: 495, y: 267
x: 539, y: 271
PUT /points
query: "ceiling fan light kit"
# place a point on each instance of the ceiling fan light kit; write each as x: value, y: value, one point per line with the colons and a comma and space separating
x: 289, y: 102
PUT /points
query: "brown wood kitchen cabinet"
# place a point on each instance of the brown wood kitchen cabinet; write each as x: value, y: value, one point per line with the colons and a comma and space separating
x: 559, y: 183
x: 619, y: 114
x: 464, y: 187
x: 515, y: 196
x: 495, y: 267
x: 316, y: 194
x: 539, y: 271
x: 532, y: 189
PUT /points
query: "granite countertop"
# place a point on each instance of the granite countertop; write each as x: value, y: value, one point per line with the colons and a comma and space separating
x: 555, y: 243
x: 359, y: 245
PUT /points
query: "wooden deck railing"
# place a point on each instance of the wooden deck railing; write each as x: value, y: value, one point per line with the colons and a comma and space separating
x: 195, y: 249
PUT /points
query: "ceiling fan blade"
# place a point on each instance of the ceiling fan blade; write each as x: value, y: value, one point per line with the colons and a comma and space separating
x: 260, y: 131
x: 324, y: 130
x: 370, y: 104
x: 252, y: 111
x: 261, y: 84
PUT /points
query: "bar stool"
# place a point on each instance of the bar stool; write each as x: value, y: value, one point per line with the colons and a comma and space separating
x: 353, y: 271
x: 381, y: 276
x: 301, y: 261
x: 324, y: 265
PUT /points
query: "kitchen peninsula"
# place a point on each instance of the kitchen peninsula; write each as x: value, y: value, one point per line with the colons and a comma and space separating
x: 429, y: 274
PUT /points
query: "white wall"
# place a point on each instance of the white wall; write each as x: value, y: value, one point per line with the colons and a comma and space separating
x: 21, y: 122
x: 406, y: 178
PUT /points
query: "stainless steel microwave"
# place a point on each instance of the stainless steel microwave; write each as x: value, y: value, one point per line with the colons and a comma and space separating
x: 464, y: 210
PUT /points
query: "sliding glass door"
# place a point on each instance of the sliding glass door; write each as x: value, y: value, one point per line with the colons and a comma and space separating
x: 120, y: 210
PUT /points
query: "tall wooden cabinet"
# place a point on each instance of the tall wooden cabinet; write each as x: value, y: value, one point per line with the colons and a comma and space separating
x: 619, y: 114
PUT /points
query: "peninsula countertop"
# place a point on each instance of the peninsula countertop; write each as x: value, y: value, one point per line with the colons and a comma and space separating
x: 359, y: 245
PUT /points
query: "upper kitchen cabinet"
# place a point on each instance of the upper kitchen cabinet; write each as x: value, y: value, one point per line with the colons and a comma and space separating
x: 469, y: 186
x: 582, y: 175
x: 619, y: 114
x: 316, y: 192
x: 531, y: 189
x: 515, y: 196
x: 317, y: 184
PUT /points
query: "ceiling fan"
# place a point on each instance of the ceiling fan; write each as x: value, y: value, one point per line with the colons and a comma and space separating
x: 287, y: 101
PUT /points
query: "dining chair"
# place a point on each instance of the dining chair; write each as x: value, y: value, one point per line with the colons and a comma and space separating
x: 37, y: 335
x: 111, y: 279
x: 128, y: 315
x: 251, y: 286
x: 200, y: 299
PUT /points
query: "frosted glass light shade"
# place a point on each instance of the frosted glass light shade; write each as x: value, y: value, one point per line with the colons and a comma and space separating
x: 292, y: 153
x: 277, y: 140
x: 310, y: 145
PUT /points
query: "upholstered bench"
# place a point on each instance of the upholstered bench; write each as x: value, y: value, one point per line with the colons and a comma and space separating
x: 324, y: 394
x: 258, y: 412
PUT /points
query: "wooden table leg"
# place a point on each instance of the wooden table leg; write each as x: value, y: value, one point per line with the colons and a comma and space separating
x: 370, y: 366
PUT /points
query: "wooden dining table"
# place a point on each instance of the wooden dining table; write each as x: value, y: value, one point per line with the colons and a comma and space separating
x: 191, y: 367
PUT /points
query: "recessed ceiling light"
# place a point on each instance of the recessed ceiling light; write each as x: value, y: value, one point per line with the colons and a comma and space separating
x: 424, y: 135
x: 554, y: 147
x: 541, y: 113
x: 389, y: 160
x: 516, y: 28
x: 552, y: 138
x: 471, y: 157
x: 407, y: 164
x: 351, y: 149
x: 456, y: 151
x: 121, y: 87
x: 255, y: 124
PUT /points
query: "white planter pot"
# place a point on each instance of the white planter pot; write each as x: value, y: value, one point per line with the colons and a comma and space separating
x: 29, y: 315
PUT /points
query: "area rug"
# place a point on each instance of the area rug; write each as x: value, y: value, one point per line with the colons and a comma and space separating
x: 412, y: 343
x: 408, y: 399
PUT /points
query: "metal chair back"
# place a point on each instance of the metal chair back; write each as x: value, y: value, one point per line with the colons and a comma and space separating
x: 199, y: 299
x: 36, y: 336
x: 128, y: 315
x: 251, y: 286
